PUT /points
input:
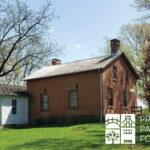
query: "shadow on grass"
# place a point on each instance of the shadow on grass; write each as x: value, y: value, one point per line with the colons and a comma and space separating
x: 66, y: 144
x: 139, y: 145
x: 62, y: 143
x: 92, y: 140
x: 48, y: 125
x: 100, y: 136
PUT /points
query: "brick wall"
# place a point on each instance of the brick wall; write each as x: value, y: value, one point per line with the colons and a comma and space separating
x: 57, y: 89
x: 118, y: 86
x: 88, y: 93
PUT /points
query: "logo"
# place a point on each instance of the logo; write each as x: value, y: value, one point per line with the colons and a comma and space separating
x: 120, y: 129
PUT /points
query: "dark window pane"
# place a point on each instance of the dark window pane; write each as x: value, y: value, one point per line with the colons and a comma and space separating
x: 110, y: 96
x: 114, y: 72
x: 14, y: 106
x: 127, y: 77
x: 44, y: 102
x: 125, y: 98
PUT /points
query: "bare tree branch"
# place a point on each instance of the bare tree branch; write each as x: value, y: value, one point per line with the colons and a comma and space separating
x: 23, y: 46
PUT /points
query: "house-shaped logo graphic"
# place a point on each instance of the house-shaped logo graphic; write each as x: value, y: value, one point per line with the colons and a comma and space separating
x: 120, y: 129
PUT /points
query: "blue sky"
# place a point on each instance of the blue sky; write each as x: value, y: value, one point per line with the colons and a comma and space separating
x: 84, y: 24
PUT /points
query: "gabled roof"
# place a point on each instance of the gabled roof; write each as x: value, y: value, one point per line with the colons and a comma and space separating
x: 6, y: 89
x: 96, y: 63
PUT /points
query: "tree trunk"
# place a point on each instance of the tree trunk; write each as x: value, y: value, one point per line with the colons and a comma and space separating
x: 149, y: 106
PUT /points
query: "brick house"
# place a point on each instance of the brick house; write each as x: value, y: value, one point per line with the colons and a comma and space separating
x: 85, y: 89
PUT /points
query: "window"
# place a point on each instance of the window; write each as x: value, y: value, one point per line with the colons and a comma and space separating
x: 124, y: 96
x: 110, y: 96
x: 127, y: 141
x: 127, y: 77
x: 44, y: 102
x: 114, y: 72
x: 127, y: 131
x: 73, y: 99
x: 14, y: 106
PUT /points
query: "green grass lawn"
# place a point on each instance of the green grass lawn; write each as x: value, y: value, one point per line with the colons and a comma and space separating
x: 75, y: 137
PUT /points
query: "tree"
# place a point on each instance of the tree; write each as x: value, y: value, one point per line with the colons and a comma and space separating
x: 143, y: 6
x: 24, y: 44
x: 146, y: 73
x: 135, y: 37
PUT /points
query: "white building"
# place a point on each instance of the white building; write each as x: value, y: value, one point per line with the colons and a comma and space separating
x: 128, y: 129
x: 120, y: 129
x: 13, y: 105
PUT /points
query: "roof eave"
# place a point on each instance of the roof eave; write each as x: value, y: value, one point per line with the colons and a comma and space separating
x: 123, y: 55
x: 131, y: 66
x: 95, y: 69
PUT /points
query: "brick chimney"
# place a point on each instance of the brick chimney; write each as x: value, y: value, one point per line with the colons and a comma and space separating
x: 56, y: 62
x: 115, y: 45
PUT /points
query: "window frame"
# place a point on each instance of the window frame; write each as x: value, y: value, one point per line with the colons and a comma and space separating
x: 114, y: 72
x: 69, y: 101
x: 14, y: 107
x: 126, y: 101
x: 108, y: 99
x: 42, y: 102
x: 127, y: 131
x: 127, y: 77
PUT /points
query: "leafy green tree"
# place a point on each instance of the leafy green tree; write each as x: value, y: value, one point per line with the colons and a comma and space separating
x: 146, y: 74
x: 136, y: 38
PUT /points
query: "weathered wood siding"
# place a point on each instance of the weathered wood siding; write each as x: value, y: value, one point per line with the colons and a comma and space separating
x: 21, y: 117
